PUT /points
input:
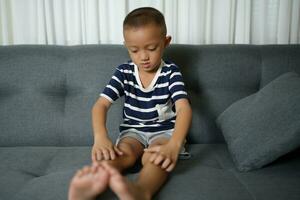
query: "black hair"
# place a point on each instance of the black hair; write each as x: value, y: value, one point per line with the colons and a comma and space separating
x: 144, y: 16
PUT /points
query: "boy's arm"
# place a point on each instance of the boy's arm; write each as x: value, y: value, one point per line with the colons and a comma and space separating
x: 103, y: 148
x: 182, y: 123
x: 99, y: 113
x: 166, y: 155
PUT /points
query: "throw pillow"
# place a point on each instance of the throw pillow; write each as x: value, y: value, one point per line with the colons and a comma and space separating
x: 260, y: 128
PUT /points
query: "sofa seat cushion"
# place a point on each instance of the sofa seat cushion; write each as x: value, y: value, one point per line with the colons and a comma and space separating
x: 45, y: 172
x: 39, y: 172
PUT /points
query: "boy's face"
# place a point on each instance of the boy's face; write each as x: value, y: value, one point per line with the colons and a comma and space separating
x: 146, y: 46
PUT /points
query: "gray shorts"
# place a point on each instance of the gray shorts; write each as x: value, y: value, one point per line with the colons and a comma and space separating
x: 147, y: 139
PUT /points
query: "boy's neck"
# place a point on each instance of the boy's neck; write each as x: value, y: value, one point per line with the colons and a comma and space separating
x: 146, y: 78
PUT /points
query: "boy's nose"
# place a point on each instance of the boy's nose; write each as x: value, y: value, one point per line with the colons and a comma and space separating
x: 144, y: 55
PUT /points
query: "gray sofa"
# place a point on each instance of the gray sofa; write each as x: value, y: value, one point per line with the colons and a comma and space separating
x: 46, y: 96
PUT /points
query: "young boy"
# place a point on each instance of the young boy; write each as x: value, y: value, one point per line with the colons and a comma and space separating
x: 156, y: 116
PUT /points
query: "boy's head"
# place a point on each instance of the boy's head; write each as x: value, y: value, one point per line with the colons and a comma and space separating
x: 144, y: 31
x: 144, y: 16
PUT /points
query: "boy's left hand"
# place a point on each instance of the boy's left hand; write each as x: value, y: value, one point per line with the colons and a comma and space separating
x: 165, y: 155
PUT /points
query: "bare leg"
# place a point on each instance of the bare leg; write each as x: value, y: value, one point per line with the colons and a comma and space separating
x: 88, y: 183
x: 91, y: 181
x: 124, y: 189
x: 150, y: 180
x: 152, y: 177
x: 132, y: 150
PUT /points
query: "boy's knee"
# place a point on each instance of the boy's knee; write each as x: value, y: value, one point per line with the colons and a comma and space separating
x: 129, y: 151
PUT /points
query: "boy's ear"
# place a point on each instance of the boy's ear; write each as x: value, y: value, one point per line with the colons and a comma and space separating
x: 168, y: 40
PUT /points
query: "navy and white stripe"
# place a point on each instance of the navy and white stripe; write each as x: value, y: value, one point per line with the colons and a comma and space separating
x: 144, y: 107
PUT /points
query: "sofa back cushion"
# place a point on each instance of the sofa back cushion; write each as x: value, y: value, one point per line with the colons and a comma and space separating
x: 215, y: 77
x: 47, y: 92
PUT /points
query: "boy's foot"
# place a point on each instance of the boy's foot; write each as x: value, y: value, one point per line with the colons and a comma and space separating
x: 88, y: 183
x: 124, y: 189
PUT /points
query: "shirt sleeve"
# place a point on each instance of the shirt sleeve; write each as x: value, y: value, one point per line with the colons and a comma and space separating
x: 115, y: 87
x: 176, y: 85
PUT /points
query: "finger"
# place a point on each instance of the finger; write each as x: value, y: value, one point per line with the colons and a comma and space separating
x: 154, y: 149
x: 99, y: 155
x: 171, y: 167
x: 159, y: 159
x: 152, y: 157
x: 94, y: 156
x: 118, y: 151
x: 166, y: 163
x: 112, y: 154
x: 105, y: 154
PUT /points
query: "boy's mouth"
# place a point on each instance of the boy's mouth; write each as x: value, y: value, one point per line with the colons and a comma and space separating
x: 146, y: 65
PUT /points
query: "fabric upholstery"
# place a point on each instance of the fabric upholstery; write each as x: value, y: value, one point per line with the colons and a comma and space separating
x: 66, y: 81
x: 48, y: 92
x: 45, y: 172
x: 46, y: 96
x: 211, y: 92
x: 265, y: 125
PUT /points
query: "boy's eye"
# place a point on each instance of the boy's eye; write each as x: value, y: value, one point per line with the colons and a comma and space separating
x: 152, y: 49
x: 133, y: 51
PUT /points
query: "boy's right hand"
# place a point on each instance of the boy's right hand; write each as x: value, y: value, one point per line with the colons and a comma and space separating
x: 104, y: 149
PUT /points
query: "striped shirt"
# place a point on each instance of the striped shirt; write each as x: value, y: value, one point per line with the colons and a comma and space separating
x: 151, y: 109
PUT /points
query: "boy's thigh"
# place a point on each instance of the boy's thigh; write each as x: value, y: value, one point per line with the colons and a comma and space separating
x: 159, y: 141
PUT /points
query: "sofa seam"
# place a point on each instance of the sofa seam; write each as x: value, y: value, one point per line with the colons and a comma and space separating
x: 45, y: 171
x: 242, y: 183
x: 236, y: 178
